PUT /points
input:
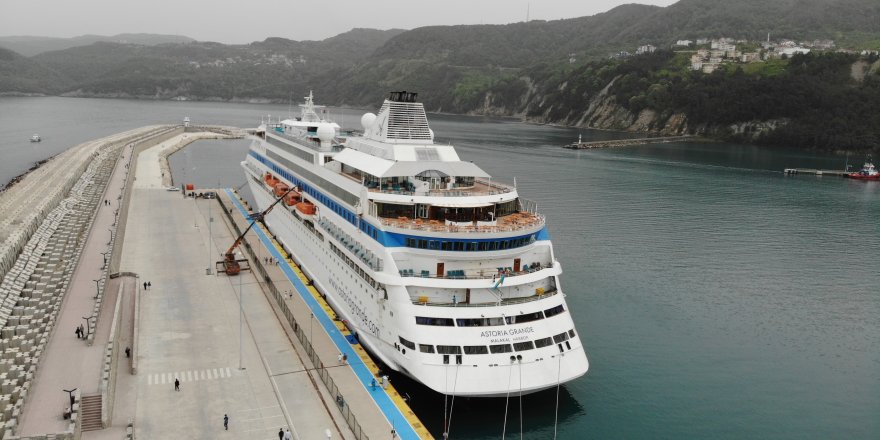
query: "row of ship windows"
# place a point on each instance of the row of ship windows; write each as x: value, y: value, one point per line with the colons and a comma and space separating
x: 469, y: 246
x: 494, y: 349
x: 488, y: 322
x: 373, y: 283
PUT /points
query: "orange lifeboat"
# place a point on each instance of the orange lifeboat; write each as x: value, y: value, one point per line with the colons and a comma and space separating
x: 268, y: 177
x: 292, y: 198
x: 280, y: 188
x: 306, y: 208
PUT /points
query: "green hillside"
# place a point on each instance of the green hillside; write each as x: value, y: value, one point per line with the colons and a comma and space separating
x: 24, y: 76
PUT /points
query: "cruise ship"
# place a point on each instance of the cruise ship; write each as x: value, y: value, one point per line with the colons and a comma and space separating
x: 444, y: 274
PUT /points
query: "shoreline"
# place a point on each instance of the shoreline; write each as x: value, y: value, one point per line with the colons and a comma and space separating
x: 13, y: 181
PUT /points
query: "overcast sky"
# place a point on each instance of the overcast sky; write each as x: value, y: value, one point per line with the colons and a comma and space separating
x: 237, y: 21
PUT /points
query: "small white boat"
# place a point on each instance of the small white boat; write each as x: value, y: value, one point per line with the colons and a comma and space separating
x: 36, y: 138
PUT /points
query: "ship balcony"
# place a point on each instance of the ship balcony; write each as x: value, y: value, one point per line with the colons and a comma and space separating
x: 500, y: 302
x: 518, y: 221
x: 478, y: 274
x: 480, y: 187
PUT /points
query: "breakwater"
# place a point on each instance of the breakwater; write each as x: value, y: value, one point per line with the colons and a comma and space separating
x: 46, y: 219
x: 611, y: 143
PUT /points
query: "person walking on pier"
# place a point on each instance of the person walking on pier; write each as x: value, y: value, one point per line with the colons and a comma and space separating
x: 149, y: 285
x: 176, y: 384
x: 226, y: 422
x: 288, y: 435
x: 280, y: 433
x: 145, y: 285
x: 78, y: 333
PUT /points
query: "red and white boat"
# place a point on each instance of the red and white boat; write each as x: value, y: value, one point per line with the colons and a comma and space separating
x: 868, y: 172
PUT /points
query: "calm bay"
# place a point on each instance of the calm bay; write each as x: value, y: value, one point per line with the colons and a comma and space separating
x: 716, y: 297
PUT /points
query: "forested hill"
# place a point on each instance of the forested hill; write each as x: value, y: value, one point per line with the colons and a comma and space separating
x: 848, y: 21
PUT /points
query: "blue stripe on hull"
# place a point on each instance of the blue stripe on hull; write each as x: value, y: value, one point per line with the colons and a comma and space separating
x: 383, y: 401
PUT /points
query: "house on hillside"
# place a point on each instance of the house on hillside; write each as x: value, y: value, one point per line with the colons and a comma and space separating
x: 750, y: 57
x: 696, y: 62
x: 645, y: 49
x: 710, y: 67
x: 684, y: 43
x: 789, y: 51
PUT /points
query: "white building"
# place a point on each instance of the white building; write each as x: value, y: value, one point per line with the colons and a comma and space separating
x: 645, y: 49
x: 684, y: 43
x: 789, y: 51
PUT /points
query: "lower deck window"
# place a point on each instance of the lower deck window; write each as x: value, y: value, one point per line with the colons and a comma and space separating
x: 560, y: 337
x: 479, y: 322
x: 543, y: 342
x: 528, y: 317
x: 500, y: 348
x: 553, y: 311
x: 523, y: 346
x: 444, y: 322
x: 406, y: 343
x: 448, y: 349
x: 475, y: 349
x: 426, y: 348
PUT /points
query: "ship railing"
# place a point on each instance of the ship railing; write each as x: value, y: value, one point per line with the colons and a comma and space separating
x: 477, y: 274
x: 481, y: 188
x: 504, y: 301
x: 517, y: 222
x: 365, y: 255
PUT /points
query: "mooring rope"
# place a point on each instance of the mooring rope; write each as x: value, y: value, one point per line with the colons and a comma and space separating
x: 452, y: 405
x: 556, y: 415
x: 507, y: 400
x: 519, y: 361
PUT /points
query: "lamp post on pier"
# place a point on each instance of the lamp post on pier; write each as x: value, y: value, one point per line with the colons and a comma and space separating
x: 240, y: 321
x: 86, y: 336
x: 210, y: 237
x: 70, y: 396
x: 111, y: 236
x: 105, y: 257
x: 97, y: 288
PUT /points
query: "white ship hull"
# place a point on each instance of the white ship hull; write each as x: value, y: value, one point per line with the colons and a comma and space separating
x: 496, y: 377
x: 463, y: 302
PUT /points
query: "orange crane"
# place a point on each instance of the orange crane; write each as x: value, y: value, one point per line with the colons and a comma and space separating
x: 232, y: 266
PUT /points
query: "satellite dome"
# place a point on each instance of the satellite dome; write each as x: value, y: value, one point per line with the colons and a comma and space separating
x: 367, y: 120
x: 326, y: 133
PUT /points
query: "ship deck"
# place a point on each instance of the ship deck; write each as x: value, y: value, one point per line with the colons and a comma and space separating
x: 514, y: 222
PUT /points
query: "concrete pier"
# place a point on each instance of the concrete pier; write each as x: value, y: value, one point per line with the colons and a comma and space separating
x: 838, y: 173
x: 94, y: 234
